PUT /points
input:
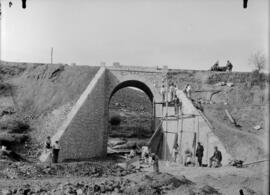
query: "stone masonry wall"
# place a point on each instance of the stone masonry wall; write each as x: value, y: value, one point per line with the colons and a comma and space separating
x: 81, y: 136
x: 84, y: 137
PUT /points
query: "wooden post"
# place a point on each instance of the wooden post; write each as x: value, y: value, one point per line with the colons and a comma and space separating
x: 153, y: 126
x: 51, y: 55
x: 166, y: 119
x: 194, y: 146
x: 230, y: 117
x: 181, y: 137
x: 207, y: 147
x: 198, y: 128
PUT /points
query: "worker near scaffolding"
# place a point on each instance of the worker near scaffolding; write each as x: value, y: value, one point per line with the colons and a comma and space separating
x: 188, y: 158
x: 187, y: 90
x: 199, y: 153
x: 175, y: 152
x: 216, y: 159
x: 171, y: 92
x: 177, y: 104
x: 163, y: 93
x: 155, y: 163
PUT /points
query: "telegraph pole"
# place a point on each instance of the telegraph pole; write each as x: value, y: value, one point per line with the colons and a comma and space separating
x: 51, y: 55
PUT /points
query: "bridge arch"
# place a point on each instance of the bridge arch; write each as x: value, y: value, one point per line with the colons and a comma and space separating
x: 133, y: 83
x: 146, y: 124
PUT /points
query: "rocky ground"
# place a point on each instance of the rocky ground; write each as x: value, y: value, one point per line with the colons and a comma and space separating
x: 106, y: 177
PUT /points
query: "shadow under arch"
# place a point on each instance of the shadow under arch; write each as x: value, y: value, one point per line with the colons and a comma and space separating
x: 134, y: 83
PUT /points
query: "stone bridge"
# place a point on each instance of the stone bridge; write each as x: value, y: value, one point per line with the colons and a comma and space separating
x: 84, y: 134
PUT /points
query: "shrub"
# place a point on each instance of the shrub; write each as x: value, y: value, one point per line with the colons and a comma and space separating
x: 115, y: 120
x: 14, y: 126
x: 258, y: 78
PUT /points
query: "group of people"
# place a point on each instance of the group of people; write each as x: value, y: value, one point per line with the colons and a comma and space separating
x: 172, y: 97
x: 214, y: 161
x: 52, y: 149
x: 216, y: 67
x: 147, y: 157
x: 150, y: 158
x: 170, y: 92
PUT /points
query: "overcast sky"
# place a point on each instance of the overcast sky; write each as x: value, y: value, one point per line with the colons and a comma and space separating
x: 185, y: 34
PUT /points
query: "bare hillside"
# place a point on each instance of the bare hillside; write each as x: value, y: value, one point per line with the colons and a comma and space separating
x: 40, y: 95
x: 246, y: 98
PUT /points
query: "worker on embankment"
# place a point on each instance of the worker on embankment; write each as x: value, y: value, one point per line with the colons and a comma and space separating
x: 145, y: 154
x: 163, y: 93
x: 55, y: 152
x: 216, y: 158
x: 177, y: 104
x: 155, y: 163
x: 229, y: 66
x: 187, y: 90
x: 199, y: 153
x: 171, y: 92
x: 175, y: 152
x: 188, y: 158
x: 48, y: 144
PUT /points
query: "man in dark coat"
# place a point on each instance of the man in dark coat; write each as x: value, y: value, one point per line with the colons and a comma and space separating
x: 199, y: 153
x: 55, y: 152
x: 217, y: 158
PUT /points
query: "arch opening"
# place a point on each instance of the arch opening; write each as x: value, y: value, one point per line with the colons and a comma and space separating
x: 136, y: 84
x: 131, y: 117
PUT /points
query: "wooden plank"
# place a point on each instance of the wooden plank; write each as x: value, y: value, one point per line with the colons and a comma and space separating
x: 230, y: 117
x: 259, y: 161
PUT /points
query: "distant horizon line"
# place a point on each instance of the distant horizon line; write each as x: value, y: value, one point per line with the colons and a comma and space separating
x: 160, y: 67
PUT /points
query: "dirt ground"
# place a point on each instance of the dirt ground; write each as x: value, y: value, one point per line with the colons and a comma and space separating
x: 173, y: 179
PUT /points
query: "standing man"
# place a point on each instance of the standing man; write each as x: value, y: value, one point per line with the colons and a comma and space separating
x: 145, y: 153
x: 55, y: 152
x: 199, y: 153
x: 48, y: 144
x: 171, y: 92
x: 176, y: 104
x: 217, y: 158
x: 188, y: 90
x: 163, y: 93
x: 174, y: 89
x: 155, y: 163
x: 175, y: 152
x: 48, y: 148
